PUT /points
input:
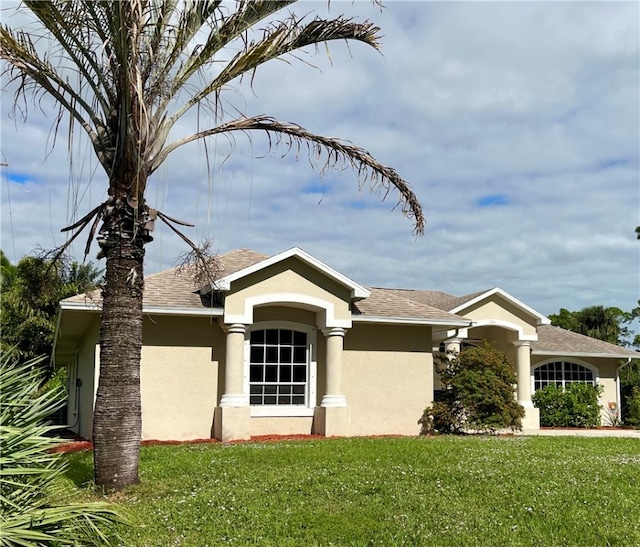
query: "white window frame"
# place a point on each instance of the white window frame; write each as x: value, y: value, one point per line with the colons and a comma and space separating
x: 285, y: 410
x: 594, y: 370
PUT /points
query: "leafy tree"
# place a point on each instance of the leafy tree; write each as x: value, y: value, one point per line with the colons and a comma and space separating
x: 29, y: 304
x: 139, y: 67
x: 478, y: 393
x: 30, y: 490
x: 7, y: 273
x: 608, y: 324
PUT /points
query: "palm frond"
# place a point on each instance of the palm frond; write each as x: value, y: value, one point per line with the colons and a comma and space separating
x: 33, y: 73
x: 325, y: 153
x: 282, y: 38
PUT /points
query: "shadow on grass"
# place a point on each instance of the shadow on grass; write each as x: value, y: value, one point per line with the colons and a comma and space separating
x: 80, y: 468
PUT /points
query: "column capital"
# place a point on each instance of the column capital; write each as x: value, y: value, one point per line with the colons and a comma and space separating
x: 334, y: 331
x: 239, y: 328
x: 520, y: 343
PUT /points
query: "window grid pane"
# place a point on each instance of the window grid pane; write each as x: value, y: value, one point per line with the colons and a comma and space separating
x: 278, y: 369
x: 561, y: 373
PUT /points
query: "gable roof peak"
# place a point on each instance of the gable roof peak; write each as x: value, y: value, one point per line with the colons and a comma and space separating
x: 357, y: 291
x: 477, y: 297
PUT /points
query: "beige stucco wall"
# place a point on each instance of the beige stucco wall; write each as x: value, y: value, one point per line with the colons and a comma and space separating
x: 179, y: 377
x: 387, y: 378
x: 293, y: 277
x: 280, y: 426
x: 499, y: 309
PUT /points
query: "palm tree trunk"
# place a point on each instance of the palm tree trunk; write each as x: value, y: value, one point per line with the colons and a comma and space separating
x: 117, y: 422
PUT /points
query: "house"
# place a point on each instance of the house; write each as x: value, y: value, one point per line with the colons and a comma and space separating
x: 288, y: 345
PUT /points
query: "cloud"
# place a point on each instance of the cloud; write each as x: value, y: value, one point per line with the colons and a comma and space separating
x: 517, y: 125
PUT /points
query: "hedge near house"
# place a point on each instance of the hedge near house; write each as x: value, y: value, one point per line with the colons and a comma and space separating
x: 574, y: 406
x: 478, y: 394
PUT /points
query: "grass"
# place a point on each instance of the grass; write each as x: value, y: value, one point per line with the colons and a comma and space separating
x: 396, y: 491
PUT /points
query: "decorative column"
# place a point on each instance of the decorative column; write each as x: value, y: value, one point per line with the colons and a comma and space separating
x: 234, y: 367
x: 331, y: 418
x: 452, y: 345
x: 531, y: 419
x: 232, y: 418
x: 335, y: 344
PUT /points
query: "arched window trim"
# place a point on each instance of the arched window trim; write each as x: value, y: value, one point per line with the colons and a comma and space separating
x: 285, y: 410
x: 560, y: 359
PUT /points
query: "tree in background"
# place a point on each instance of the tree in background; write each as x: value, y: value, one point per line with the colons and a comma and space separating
x: 31, y: 291
x: 478, y: 393
x: 609, y: 324
x: 7, y: 273
x: 127, y: 72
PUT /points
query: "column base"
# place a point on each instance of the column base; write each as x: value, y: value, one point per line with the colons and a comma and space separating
x: 531, y: 418
x: 232, y: 423
x: 331, y: 421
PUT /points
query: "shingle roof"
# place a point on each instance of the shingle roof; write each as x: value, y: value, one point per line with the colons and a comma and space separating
x: 555, y: 340
x: 395, y: 303
x: 174, y: 288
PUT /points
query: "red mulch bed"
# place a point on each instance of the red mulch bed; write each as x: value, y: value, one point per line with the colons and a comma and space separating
x: 82, y: 444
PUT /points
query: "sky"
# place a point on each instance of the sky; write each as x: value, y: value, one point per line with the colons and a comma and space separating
x: 517, y: 124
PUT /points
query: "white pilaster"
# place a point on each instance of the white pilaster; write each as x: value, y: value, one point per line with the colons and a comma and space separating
x: 234, y: 367
x: 335, y: 344
x: 531, y: 419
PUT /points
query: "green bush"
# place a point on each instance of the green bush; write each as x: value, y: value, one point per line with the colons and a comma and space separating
x: 630, y: 391
x: 632, y: 417
x: 575, y: 406
x: 31, y: 507
x: 478, y: 394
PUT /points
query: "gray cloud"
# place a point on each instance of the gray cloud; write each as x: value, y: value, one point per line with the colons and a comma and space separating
x: 537, y: 102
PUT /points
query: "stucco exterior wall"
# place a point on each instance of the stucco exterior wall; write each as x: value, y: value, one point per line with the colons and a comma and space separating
x: 281, y: 426
x: 292, y: 277
x: 387, y: 378
x: 501, y: 310
x: 179, y: 377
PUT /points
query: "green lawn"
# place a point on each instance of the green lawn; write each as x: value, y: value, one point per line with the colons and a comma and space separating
x: 395, y: 491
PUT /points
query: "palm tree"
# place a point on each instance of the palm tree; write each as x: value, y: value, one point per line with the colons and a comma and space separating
x: 127, y: 72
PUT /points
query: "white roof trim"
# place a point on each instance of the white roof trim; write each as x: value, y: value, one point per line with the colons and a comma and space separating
x: 357, y: 290
x: 541, y: 319
x: 408, y: 321
x: 148, y: 310
x: 583, y: 354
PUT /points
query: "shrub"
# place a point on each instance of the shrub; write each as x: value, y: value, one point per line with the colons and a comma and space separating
x: 575, y: 406
x: 478, y: 396
x: 630, y: 391
x: 29, y: 488
x: 633, y: 408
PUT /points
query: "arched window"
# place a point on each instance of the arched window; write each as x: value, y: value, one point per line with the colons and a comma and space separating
x: 281, y: 369
x: 561, y: 373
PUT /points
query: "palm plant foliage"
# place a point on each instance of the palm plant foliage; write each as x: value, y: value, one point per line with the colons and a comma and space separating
x: 30, y: 493
x: 126, y: 73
